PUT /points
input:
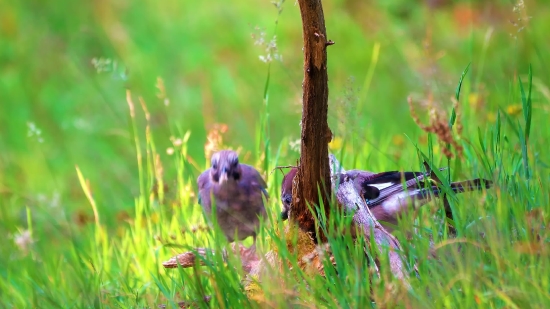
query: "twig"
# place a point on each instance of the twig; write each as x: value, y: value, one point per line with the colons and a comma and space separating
x: 348, y: 197
x: 248, y: 257
x: 281, y: 167
x: 188, y: 259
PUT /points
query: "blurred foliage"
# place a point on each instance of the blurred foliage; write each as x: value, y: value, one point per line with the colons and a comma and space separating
x: 210, y: 67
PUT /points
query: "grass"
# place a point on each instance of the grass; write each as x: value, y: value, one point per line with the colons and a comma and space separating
x: 83, y: 228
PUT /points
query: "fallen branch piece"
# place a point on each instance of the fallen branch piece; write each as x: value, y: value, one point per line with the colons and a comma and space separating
x: 248, y: 256
x: 187, y: 259
x: 350, y: 199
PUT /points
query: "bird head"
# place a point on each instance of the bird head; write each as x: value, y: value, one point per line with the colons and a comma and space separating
x: 225, y: 167
x: 286, y: 192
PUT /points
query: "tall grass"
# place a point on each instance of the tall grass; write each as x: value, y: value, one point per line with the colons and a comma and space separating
x: 498, y: 260
x: 95, y: 235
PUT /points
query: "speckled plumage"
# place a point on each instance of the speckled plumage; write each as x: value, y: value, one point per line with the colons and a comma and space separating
x: 237, y: 190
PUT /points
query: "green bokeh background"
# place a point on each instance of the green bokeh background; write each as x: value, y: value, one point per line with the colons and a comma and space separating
x: 210, y: 66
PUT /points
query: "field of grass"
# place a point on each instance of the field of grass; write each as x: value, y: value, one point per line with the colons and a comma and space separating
x: 102, y: 99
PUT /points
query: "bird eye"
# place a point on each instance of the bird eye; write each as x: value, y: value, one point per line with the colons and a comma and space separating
x: 214, y: 161
x: 287, y: 199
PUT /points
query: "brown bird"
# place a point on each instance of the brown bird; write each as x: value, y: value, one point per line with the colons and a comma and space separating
x: 388, y: 194
x: 237, y: 191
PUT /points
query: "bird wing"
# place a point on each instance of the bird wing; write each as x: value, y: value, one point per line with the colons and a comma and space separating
x: 203, y: 181
x: 386, y: 179
x: 371, y: 185
x: 390, y: 183
x: 249, y: 173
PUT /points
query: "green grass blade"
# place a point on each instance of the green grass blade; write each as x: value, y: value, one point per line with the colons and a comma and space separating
x: 457, y: 95
x: 526, y: 103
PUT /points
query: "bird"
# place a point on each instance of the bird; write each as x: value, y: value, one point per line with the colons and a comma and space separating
x: 237, y: 190
x: 389, y: 194
x: 369, y: 192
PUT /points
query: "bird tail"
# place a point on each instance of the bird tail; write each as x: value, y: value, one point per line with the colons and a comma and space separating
x: 456, y: 187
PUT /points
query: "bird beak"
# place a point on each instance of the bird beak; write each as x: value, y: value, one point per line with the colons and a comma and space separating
x: 223, y: 175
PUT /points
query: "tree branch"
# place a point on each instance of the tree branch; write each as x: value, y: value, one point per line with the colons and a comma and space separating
x: 348, y: 197
x: 313, y: 170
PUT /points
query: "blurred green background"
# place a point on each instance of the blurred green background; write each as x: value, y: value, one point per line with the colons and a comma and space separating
x: 205, y: 54
x: 66, y: 66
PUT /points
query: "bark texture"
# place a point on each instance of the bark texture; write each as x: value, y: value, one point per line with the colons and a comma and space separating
x: 313, y: 170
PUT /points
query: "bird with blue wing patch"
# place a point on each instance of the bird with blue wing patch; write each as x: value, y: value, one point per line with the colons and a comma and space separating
x: 389, y: 194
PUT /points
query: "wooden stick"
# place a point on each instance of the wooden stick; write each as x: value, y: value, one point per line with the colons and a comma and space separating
x: 348, y: 197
